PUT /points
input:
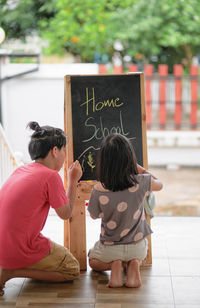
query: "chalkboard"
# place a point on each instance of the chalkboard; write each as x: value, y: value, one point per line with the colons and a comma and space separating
x: 100, y: 105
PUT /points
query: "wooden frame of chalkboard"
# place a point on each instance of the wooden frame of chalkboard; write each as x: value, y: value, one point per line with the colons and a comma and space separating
x: 95, y: 106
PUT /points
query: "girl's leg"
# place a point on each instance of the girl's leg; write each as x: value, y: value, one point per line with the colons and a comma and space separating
x: 133, y: 274
x: 116, y: 275
x: 99, y: 266
x: 116, y: 271
x: 7, y: 274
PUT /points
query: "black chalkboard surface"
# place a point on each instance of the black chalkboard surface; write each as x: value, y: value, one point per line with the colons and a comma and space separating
x: 104, y: 104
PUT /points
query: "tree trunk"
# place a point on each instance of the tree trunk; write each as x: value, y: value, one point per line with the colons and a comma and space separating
x: 189, y: 55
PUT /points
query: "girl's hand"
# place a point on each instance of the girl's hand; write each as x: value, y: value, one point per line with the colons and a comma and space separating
x: 75, y: 171
x: 141, y: 170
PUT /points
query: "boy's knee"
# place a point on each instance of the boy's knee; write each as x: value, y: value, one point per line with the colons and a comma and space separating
x: 72, y: 270
x: 76, y: 273
x: 76, y: 269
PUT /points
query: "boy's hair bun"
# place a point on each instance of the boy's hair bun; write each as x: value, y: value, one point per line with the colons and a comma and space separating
x: 43, y: 139
x: 34, y: 126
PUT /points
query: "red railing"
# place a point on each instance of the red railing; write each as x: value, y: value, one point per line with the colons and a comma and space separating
x: 171, y: 99
x: 194, y: 96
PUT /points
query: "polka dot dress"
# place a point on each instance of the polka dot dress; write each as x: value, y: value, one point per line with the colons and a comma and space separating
x: 122, y: 213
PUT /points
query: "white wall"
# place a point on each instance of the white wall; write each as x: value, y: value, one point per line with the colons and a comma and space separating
x: 38, y: 96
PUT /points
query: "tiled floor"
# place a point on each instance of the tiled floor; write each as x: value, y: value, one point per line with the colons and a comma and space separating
x: 173, y: 280
x: 173, y: 199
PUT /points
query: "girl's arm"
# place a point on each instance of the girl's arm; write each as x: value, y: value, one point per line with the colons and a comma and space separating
x: 93, y: 204
x: 93, y: 217
x: 156, y: 184
x: 142, y: 170
x: 74, y: 174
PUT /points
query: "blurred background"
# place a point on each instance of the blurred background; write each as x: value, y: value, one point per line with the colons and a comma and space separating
x: 42, y: 41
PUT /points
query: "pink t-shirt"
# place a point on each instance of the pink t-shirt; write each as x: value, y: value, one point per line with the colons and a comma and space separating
x: 25, y: 200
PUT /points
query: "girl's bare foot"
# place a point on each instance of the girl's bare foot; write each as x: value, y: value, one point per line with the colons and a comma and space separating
x: 116, y: 275
x: 124, y: 265
x: 133, y: 274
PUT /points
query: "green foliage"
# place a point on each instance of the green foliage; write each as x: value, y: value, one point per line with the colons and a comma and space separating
x: 169, y: 29
x: 80, y: 26
x: 166, y: 30
x: 20, y: 18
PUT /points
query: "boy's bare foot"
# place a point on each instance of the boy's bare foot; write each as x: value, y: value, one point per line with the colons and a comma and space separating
x: 4, y: 276
x: 2, y: 283
x: 133, y: 274
x: 116, y: 275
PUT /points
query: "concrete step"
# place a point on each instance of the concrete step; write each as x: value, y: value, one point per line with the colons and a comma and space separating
x: 173, y: 138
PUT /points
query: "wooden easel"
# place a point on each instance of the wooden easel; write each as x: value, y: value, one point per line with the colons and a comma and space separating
x: 75, y: 229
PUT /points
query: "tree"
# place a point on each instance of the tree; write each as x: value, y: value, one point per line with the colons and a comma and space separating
x: 167, y: 29
x: 80, y: 27
x: 20, y: 18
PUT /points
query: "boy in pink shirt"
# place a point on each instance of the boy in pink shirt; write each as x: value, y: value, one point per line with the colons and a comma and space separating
x: 25, y: 200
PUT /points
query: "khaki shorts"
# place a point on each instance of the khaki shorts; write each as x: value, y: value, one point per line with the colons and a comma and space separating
x: 59, y: 259
x: 124, y: 252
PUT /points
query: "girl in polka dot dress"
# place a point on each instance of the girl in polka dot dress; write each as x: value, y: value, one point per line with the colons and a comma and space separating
x: 118, y: 200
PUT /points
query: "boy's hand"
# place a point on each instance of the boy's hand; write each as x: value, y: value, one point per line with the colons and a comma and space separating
x: 75, y: 171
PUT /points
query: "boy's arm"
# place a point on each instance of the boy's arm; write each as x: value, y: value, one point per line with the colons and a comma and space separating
x: 74, y: 174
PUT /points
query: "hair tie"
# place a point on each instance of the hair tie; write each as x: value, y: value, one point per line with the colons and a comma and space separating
x: 42, y: 131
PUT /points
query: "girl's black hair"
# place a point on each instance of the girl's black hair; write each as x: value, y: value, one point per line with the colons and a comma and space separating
x: 44, y: 139
x: 116, y: 163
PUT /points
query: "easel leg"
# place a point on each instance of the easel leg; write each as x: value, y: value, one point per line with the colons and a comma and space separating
x: 75, y: 230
